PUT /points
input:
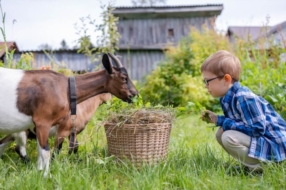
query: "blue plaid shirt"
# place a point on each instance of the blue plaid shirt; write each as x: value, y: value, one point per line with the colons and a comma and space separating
x: 254, y: 116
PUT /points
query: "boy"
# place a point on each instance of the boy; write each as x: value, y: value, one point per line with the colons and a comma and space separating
x: 250, y: 130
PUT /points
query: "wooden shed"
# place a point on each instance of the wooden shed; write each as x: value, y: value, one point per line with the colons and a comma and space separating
x: 147, y: 31
x: 67, y: 58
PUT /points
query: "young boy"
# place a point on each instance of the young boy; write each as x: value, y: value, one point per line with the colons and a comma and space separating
x: 250, y: 130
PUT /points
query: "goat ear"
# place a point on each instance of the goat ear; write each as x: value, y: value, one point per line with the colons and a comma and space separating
x: 107, y: 63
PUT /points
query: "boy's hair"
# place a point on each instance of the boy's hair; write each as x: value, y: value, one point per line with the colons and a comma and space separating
x: 222, y: 62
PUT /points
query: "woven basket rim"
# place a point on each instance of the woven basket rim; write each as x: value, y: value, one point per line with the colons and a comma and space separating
x: 110, y: 128
x: 112, y: 124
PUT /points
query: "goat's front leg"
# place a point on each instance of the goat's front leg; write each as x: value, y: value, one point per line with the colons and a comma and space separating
x: 61, y: 135
x: 74, y: 147
x: 42, y: 133
x: 64, y: 129
x: 58, y: 146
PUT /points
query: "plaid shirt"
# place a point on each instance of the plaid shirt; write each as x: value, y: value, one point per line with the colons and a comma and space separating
x: 254, y: 116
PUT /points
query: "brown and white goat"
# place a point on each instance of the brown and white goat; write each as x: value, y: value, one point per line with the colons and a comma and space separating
x: 85, y: 112
x: 40, y: 98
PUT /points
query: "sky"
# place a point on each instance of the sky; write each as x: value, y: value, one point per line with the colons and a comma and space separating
x: 31, y: 23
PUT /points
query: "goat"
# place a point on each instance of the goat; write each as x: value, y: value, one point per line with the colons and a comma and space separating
x: 85, y: 112
x: 40, y: 98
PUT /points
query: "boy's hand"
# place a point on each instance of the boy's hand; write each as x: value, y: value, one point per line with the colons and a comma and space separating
x: 209, y: 117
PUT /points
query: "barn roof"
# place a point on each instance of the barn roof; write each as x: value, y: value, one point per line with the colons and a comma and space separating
x: 245, y: 32
x: 277, y: 28
x: 168, y: 11
x: 254, y: 32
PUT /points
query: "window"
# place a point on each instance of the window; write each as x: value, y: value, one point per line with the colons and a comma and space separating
x: 170, y: 35
x: 130, y: 31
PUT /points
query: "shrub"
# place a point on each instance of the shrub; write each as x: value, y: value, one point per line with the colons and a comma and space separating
x: 177, y: 80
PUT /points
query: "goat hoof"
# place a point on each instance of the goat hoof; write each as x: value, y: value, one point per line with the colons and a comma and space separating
x: 26, y: 159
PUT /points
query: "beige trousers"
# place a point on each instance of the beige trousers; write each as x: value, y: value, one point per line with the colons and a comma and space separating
x: 237, y: 145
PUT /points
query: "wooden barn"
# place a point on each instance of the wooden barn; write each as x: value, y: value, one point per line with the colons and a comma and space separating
x: 147, y: 31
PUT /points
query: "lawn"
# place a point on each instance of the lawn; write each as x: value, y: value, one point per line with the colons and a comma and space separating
x: 195, y: 161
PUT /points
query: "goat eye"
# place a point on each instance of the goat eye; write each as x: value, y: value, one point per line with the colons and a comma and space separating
x: 124, y: 79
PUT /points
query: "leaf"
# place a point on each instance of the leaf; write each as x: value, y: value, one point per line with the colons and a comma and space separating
x: 271, y: 98
x: 99, y: 161
x: 148, y: 104
x: 181, y: 108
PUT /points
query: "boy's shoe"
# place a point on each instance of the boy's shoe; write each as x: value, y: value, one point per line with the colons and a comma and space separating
x: 243, y: 170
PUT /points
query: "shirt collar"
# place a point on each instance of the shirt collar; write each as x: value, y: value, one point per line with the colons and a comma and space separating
x: 230, y: 93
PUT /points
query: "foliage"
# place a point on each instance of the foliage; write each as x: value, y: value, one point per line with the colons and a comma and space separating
x: 45, y: 47
x: 264, y: 72
x: 25, y: 59
x: 64, y: 45
x: 178, y: 79
x: 107, y: 40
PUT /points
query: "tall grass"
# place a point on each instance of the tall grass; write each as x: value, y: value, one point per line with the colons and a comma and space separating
x: 195, y: 161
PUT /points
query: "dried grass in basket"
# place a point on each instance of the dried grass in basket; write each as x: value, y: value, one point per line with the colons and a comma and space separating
x: 140, y: 136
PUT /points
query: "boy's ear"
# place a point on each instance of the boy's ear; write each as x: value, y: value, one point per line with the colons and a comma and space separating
x: 227, y: 77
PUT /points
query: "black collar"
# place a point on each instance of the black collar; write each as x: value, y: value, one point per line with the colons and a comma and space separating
x: 72, y: 93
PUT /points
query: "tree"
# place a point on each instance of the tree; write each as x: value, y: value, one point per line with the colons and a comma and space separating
x: 64, y: 45
x: 45, y: 47
x: 147, y: 2
x: 108, y: 37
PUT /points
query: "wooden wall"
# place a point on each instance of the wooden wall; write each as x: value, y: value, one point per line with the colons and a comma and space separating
x: 144, y: 32
x: 140, y: 63
x: 68, y: 59
x: 137, y: 63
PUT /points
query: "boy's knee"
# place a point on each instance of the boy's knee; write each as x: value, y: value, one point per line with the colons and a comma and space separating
x: 218, y: 134
x: 227, y: 138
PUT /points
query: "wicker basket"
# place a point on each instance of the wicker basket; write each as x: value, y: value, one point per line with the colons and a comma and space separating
x: 140, y: 143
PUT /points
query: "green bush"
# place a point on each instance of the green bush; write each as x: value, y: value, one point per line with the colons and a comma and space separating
x: 178, y: 81
x: 264, y: 72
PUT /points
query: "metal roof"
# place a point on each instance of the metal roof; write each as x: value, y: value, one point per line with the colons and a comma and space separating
x: 163, y: 7
x: 167, y: 11
x: 277, y: 28
x: 246, y: 32
x: 254, y: 32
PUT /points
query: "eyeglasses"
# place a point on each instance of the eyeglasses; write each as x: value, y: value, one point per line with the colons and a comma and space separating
x: 209, y: 80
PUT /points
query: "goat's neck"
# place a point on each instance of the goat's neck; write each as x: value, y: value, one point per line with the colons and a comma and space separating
x: 91, y: 84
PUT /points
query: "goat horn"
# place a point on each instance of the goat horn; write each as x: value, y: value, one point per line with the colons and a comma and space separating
x: 116, y: 60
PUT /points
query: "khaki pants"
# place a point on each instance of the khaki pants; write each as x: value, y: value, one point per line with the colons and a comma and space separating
x: 237, y: 145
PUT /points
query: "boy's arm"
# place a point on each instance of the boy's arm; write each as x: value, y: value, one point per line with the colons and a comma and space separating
x: 252, y: 114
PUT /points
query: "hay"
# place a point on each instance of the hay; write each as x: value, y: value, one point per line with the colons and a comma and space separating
x: 142, y: 116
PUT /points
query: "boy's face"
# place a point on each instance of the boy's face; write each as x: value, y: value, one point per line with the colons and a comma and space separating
x: 217, y: 86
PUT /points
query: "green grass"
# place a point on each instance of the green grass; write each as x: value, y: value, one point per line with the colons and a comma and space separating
x: 195, y: 161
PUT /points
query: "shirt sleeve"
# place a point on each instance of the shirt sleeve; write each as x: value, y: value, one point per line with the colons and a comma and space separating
x: 251, y: 112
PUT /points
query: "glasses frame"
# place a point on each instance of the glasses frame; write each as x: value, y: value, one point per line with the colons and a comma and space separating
x: 209, y: 80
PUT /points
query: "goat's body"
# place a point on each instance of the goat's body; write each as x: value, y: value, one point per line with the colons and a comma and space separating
x: 31, y: 98
x: 11, y: 119
x: 85, y: 112
x: 41, y: 97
